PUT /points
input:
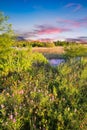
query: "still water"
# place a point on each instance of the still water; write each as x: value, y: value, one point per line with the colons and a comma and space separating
x: 55, y: 62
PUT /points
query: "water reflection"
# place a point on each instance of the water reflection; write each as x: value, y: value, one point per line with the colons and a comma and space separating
x: 55, y: 62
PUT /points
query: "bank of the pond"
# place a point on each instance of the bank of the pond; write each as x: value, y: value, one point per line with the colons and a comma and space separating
x: 55, y: 55
x: 49, y: 50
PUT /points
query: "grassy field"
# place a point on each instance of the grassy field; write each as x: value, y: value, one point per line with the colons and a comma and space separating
x: 49, y: 53
x: 54, y: 50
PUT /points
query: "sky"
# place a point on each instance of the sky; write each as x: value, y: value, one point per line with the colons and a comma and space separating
x: 47, y: 19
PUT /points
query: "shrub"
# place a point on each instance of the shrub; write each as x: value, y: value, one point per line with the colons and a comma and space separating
x: 44, y: 98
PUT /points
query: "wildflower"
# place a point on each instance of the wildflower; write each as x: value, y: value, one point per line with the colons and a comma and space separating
x: 21, y: 92
x: 2, y: 106
x: 11, y: 116
x: 50, y: 95
x: 14, y: 120
x: 13, y: 95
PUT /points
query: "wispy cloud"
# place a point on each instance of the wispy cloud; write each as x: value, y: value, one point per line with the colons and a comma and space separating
x: 82, y: 22
x: 27, y: 34
x: 76, y: 6
x: 69, y: 5
x: 46, y: 29
x: 40, y: 30
x: 68, y: 22
x: 82, y: 39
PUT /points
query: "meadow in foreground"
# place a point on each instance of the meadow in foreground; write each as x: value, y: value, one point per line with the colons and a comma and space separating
x: 37, y: 96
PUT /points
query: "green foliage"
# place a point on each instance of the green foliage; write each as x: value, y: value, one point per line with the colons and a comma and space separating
x: 62, y: 43
x: 44, y: 97
x: 49, y: 44
x: 42, y: 44
x: 33, y: 44
x: 5, y: 45
x: 75, y: 50
x: 37, y: 96
x: 22, y: 44
x: 6, y: 41
x: 37, y: 44
x: 5, y: 27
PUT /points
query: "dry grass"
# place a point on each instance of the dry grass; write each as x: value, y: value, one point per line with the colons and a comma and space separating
x: 50, y: 50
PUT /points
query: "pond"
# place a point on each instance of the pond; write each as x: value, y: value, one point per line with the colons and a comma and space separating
x: 55, y: 62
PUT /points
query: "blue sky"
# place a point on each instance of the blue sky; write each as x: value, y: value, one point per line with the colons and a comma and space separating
x: 47, y: 19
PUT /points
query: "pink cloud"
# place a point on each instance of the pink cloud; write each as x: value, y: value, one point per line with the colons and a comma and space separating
x: 50, y: 31
x: 42, y: 30
x: 46, y: 29
x: 73, y: 23
x: 75, y: 5
x: 83, y: 21
x: 69, y: 22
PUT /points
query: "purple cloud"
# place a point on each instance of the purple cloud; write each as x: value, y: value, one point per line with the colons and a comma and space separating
x: 82, y: 39
x: 76, y: 6
x: 71, y: 23
x: 27, y: 35
x: 46, y: 29
x: 82, y: 22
